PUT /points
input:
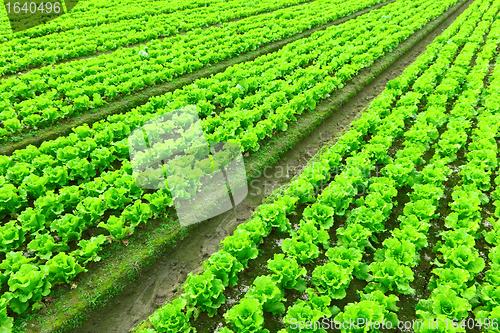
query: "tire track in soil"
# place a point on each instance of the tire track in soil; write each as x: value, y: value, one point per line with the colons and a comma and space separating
x: 161, y: 282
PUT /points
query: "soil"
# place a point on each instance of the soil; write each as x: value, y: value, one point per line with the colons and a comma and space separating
x: 162, y: 281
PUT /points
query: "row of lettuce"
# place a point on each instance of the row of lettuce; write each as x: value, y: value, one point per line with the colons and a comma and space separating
x: 390, y: 270
x: 23, y: 53
x: 455, y: 290
x: 96, y: 13
x: 42, y: 96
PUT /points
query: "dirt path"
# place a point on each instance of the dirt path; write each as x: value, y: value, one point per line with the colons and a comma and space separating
x: 160, y: 282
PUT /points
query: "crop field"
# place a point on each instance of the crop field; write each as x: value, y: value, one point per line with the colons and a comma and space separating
x: 238, y: 166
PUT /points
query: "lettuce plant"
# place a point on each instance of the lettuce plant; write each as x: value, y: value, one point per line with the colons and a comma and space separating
x: 138, y: 213
x: 303, y: 252
x: 383, y: 187
x: 171, y: 318
x: 475, y: 174
x: 240, y: 245
x: 224, y: 267
x: 319, y: 214
x: 6, y: 322
x: 102, y: 158
x: 467, y: 201
x: 493, y: 274
x: 159, y: 201
x: 287, y: 202
x: 67, y: 154
x: 403, y: 172
x: 456, y: 278
x: 256, y: 228
x: 63, y: 268
x: 490, y: 297
x: 312, y: 311
x: 389, y: 275
x: 434, y: 173
x: 373, y: 308
x: 371, y: 219
x: 11, y: 264
x: 32, y: 220
x: 453, y: 221
x: 70, y: 197
x: 9, y: 200
x: 17, y: 172
x: 94, y: 188
x: 492, y: 316
x: 116, y: 198
x: 81, y: 169
x: 378, y: 149
x: 331, y: 279
x: 350, y: 140
x: 316, y: 174
x: 287, y: 272
x: 455, y: 238
x: 27, y: 286
x: 127, y: 181
x: 69, y: 227
x: 5, y: 163
x: 44, y: 245
x: 338, y: 196
x: 387, y: 301
x: 444, y: 301
x: 356, y: 236
x: 116, y: 227
x: 246, y: 317
x: 49, y: 205
x: 403, y: 252
x: 463, y: 257
x: 121, y: 149
x: 302, y: 189
x: 57, y: 177
x: 11, y: 236
x: 88, y: 249
x: 266, y: 291
x: 275, y: 216
x: 33, y: 186
x: 203, y: 292
x: 423, y: 209
x: 493, y: 236
x: 320, y: 303
x: 308, y: 232
x: 349, y: 258
x: 408, y: 233
x: 414, y: 222
x: 426, y: 191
